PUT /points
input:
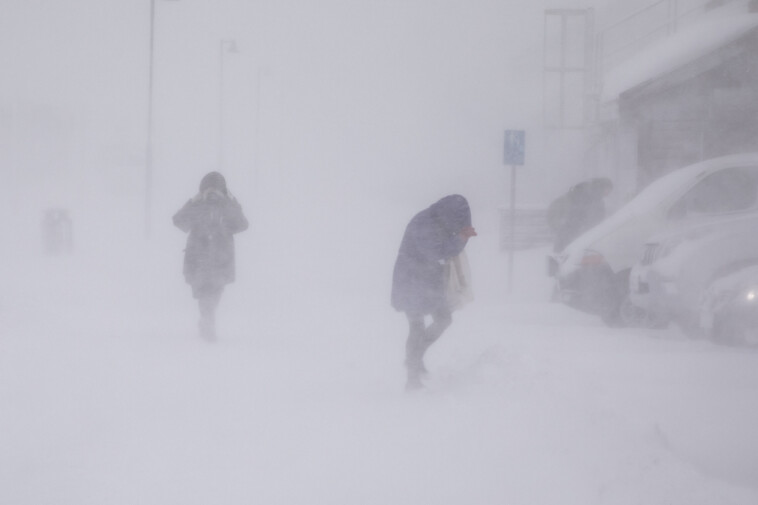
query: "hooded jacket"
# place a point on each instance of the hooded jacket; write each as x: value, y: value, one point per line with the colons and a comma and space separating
x: 211, y: 218
x: 431, y: 237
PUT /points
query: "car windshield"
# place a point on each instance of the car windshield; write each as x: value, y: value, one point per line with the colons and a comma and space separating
x: 663, y: 189
x: 649, y: 198
x: 729, y: 190
x: 660, y: 190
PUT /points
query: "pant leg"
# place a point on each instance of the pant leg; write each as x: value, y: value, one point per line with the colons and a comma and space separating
x: 207, y: 301
x: 421, y: 337
x: 414, y: 346
x: 207, y: 305
x: 441, y: 320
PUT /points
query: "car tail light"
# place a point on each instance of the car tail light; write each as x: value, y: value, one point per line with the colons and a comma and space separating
x: 592, y: 258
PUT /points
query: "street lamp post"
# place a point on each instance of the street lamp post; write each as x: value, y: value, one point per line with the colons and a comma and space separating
x: 224, y: 46
x: 149, y: 143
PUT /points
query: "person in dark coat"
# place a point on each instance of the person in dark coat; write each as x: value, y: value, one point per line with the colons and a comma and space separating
x: 581, y: 208
x: 211, y: 218
x: 433, y: 236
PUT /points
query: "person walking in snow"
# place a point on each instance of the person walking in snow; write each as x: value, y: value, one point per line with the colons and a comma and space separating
x: 211, y: 218
x: 581, y: 208
x: 434, y: 235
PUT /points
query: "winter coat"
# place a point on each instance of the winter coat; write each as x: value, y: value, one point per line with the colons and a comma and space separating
x: 575, y: 212
x: 211, y: 219
x: 431, y: 237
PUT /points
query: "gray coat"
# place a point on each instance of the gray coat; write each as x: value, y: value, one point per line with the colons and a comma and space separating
x: 211, y: 219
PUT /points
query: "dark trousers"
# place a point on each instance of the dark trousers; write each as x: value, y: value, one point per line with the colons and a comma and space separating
x: 208, y: 297
x: 421, y: 337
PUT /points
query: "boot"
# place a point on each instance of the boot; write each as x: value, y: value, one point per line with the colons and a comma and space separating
x: 414, y: 382
x: 207, y: 329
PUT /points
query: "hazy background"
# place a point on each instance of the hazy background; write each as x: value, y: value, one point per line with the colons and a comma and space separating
x: 343, y: 118
x: 407, y: 99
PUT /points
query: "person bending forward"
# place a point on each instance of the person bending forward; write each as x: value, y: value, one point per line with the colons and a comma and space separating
x: 433, y: 236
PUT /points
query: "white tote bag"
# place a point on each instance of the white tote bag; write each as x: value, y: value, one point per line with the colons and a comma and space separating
x: 458, y: 282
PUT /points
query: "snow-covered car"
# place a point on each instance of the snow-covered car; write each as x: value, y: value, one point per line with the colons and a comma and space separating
x: 592, y: 273
x: 677, y: 268
x: 729, y: 311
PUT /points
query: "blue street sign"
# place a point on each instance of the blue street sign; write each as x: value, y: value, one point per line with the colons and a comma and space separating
x: 515, y: 145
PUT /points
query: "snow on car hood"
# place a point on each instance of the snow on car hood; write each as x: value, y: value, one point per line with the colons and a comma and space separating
x: 664, y: 189
x: 643, y: 204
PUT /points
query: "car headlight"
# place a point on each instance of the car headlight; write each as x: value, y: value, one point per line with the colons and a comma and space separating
x: 746, y: 296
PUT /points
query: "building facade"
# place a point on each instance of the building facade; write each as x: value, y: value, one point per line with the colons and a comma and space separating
x: 691, y: 96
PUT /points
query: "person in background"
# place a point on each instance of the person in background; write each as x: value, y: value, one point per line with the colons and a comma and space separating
x: 432, y: 237
x: 57, y: 231
x: 211, y: 218
x: 581, y: 208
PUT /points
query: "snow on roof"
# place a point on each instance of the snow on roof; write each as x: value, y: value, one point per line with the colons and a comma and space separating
x: 712, y: 31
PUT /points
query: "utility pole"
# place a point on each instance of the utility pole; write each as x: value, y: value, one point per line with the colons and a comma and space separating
x: 225, y: 46
x: 149, y: 142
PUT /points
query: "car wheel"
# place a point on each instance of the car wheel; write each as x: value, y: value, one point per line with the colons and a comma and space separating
x: 734, y: 331
x: 633, y: 316
x: 690, y: 327
x: 613, y: 296
x: 745, y: 335
x: 622, y: 313
x: 612, y: 319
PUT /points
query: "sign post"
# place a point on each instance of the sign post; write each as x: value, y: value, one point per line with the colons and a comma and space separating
x: 515, y: 144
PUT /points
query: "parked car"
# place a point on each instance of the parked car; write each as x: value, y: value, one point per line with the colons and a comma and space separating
x: 729, y: 312
x: 592, y: 273
x: 676, y: 269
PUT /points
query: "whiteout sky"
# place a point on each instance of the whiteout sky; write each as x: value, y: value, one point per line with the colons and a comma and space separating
x: 392, y: 94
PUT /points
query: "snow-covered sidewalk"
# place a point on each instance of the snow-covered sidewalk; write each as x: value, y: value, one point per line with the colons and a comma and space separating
x: 108, y: 397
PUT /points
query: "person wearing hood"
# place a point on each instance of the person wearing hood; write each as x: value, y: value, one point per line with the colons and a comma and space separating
x: 211, y: 218
x: 581, y: 208
x: 432, y: 237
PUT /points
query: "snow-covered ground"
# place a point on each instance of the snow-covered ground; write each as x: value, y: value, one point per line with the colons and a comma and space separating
x: 107, y: 396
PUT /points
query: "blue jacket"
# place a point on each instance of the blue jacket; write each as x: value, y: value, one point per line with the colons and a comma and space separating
x: 431, y: 237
